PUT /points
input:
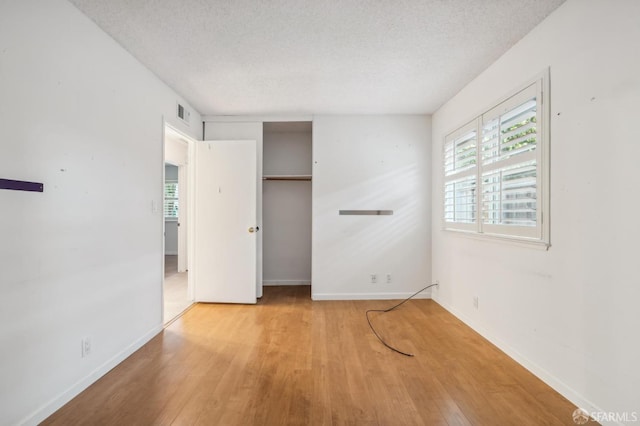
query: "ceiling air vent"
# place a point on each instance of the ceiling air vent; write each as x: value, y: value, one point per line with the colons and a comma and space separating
x: 183, y: 114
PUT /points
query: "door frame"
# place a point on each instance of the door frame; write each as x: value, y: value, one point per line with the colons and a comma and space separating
x: 242, y: 128
x: 186, y: 172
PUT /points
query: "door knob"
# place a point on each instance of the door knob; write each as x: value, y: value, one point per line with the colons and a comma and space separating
x: 251, y: 230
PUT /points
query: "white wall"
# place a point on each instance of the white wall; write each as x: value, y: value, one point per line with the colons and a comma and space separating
x: 170, y: 226
x: 371, y: 162
x: 171, y: 237
x: 287, y: 153
x: 84, y: 258
x: 170, y: 172
x: 243, y: 130
x: 287, y: 209
x: 569, y: 314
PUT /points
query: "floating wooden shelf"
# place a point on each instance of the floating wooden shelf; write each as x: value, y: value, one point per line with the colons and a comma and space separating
x: 21, y: 185
x: 365, y: 212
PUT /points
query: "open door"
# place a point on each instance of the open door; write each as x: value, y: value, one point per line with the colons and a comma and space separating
x: 225, y: 249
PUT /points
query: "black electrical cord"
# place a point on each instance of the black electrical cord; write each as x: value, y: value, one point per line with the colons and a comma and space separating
x: 391, y: 309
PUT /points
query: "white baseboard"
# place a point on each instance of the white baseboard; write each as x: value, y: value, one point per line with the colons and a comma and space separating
x: 551, y: 380
x: 368, y: 296
x: 56, y: 403
x: 285, y: 282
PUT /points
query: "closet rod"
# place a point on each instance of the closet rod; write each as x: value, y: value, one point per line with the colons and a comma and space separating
x: 286, y: 178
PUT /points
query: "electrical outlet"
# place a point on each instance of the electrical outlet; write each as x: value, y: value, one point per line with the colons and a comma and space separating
x: 475, y: 302
x: 86, y: 346
x: 388, y: 278
x: 374, y: 278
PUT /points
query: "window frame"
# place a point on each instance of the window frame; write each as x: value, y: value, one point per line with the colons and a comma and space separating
x: 540, y: 234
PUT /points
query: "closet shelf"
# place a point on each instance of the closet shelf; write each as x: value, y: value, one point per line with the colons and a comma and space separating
x: 286, y: 177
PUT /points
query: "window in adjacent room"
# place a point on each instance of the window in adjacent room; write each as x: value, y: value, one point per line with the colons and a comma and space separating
x: 171, y: 200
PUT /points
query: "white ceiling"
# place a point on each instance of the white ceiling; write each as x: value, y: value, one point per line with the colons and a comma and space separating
x: 317, y: 56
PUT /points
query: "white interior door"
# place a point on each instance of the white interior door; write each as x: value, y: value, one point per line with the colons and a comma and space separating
x: 225, y: 221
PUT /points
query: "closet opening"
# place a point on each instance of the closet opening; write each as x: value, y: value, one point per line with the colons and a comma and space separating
x: 286, y: 203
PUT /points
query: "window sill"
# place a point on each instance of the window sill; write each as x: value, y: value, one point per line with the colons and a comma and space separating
x: 516, y: 241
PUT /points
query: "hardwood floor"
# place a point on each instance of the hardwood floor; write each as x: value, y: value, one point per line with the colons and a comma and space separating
x: 291, y: 361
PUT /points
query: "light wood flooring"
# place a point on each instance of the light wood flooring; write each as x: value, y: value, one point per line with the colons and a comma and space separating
x: 291, y: 361
x: 174, y: 293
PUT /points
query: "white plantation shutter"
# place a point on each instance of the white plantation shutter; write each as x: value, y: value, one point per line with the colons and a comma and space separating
x: 460, y: 200
x: 171, y: 200
x: 509, y: 166
x: 461, y: 152
x: 493, y: 170
x: 509, y: 196
x: 511, y: 133
x: 460, y: 165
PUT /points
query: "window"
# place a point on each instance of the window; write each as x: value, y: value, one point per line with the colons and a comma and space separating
x: 496, y: 170
x: 461, y: 176
x: 171, y: 200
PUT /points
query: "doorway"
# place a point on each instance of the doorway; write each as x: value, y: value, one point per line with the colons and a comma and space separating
x: 176, y: 291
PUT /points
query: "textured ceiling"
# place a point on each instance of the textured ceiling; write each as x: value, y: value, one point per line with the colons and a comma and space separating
x: 317, y: 56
